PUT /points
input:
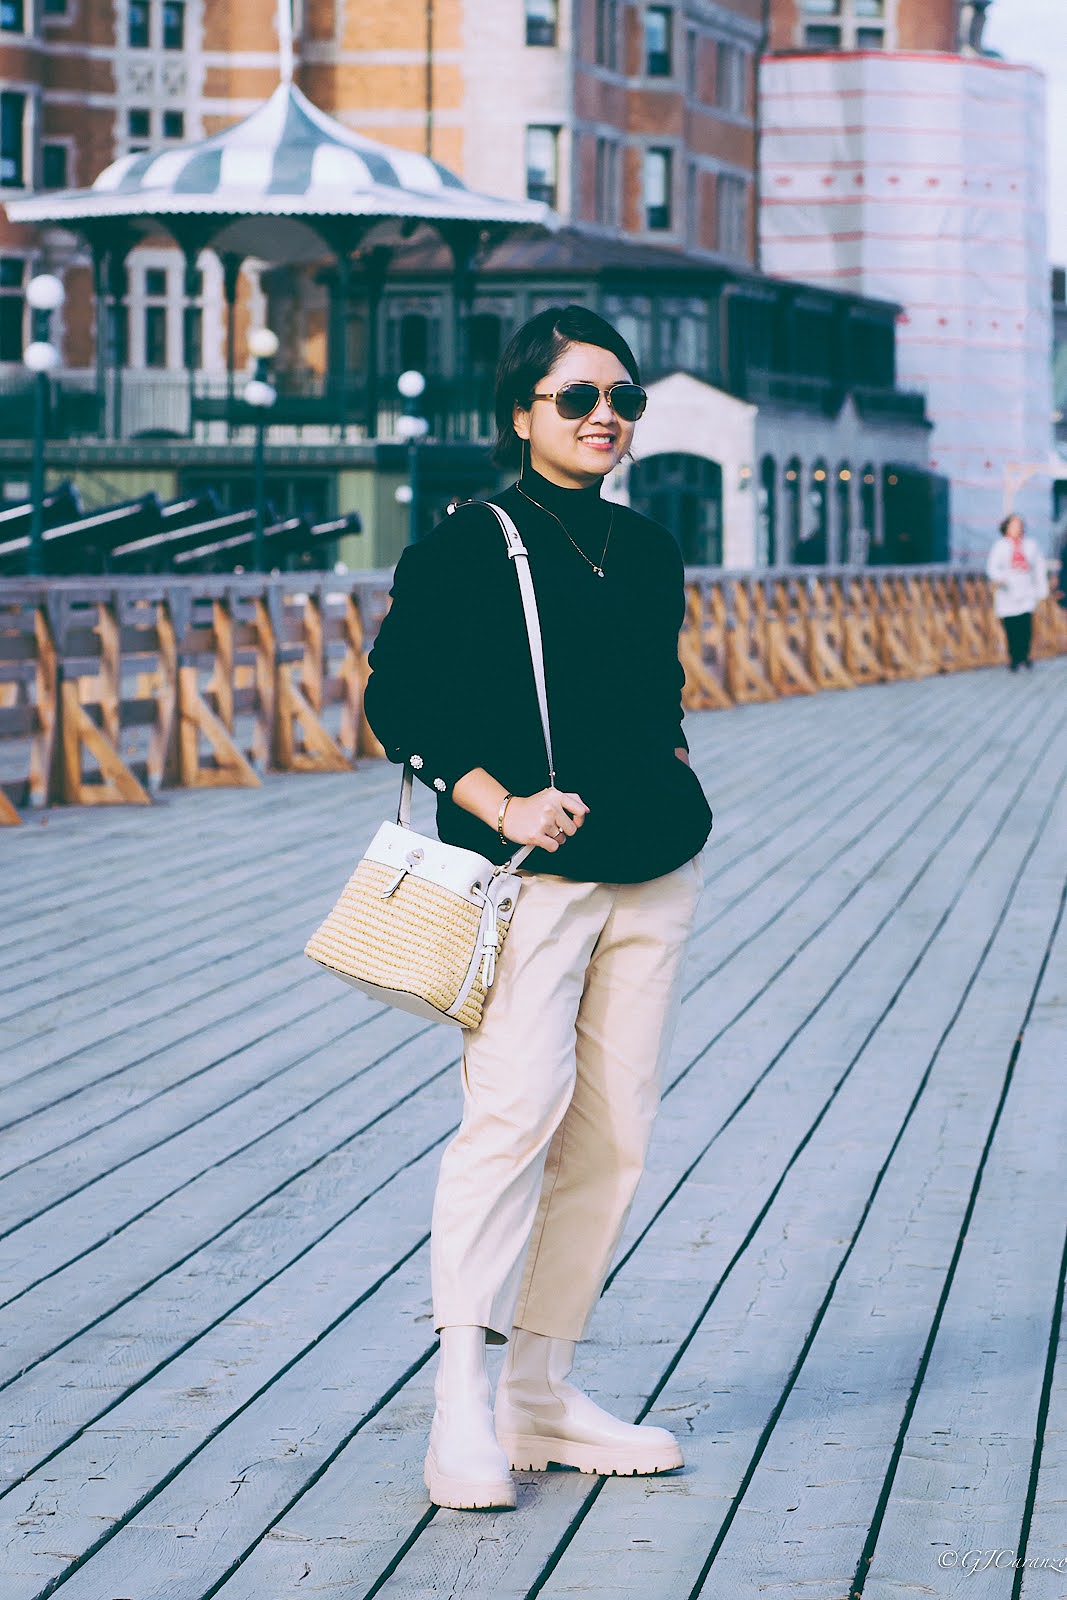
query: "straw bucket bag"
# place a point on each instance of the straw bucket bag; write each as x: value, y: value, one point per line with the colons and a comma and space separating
x: 420, y: 924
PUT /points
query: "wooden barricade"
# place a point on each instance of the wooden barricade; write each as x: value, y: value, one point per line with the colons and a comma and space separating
x: 113, y: 688
x: 117, y: 688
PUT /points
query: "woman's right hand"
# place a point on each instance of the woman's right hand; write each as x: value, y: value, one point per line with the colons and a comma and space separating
x: 547, y: 819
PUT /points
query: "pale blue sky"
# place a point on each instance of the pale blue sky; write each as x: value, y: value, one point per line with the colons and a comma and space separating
x: 1035, y: 31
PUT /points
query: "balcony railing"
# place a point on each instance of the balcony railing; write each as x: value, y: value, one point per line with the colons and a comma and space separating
x: 309, y: 408
x: 313, y: 409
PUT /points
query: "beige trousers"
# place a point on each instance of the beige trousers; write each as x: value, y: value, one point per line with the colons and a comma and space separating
x: 561, y: 1084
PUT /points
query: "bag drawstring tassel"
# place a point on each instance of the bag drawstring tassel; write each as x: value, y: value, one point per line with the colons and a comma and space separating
x: 489, y: 938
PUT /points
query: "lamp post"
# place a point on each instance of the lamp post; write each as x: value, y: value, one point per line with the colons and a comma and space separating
x: 261, y: 394
x: 412, y: 426
x: 44, y: 294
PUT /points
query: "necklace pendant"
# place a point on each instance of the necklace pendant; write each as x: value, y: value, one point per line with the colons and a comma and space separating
x: 599, y: 571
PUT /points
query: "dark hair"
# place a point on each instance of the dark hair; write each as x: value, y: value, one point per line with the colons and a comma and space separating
x: 534, y: 350
x: 1011, y: 517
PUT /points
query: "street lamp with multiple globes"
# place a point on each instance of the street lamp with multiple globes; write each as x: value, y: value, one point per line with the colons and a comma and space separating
x: 44, y: 294
x: 412, y: 426
x: 261, y: 394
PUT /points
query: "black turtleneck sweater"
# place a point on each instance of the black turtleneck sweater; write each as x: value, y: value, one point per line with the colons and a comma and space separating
x: 452, y: 687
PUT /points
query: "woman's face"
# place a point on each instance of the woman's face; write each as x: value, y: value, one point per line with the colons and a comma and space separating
x: 1014, y: 530
x: 576, y: 454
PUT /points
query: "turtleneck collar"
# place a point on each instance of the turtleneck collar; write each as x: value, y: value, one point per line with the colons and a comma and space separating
x: 572, y: 506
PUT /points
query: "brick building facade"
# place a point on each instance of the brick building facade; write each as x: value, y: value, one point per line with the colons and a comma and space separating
x: 866, y: 25
x: 628, y: 118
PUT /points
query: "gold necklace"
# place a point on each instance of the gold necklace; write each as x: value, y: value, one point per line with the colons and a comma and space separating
x: 599, y: 570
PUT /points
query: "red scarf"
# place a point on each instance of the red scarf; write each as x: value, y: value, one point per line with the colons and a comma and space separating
x: 1018, y: 554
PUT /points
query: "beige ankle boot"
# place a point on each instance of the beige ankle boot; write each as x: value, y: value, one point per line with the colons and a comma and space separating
x: 540, y: 1417
x: 465, y: 1466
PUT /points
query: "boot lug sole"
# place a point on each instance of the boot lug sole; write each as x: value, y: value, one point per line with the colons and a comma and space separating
x: 458, y: 1494
x: 529, y: 1453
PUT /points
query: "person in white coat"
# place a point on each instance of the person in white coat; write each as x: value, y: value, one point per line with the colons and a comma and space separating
x: 1016, y: 569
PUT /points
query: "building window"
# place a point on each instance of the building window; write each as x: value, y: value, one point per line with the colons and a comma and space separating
x: 155, y: 336
x: 12, y: 16
x: 174, y: 124
x: 138, y: 123
x: 173, y: 25
x: 607, y: 182
x: 844, y: 24
x: 53, y: 8
x: 792, y: 512
x: 658, y: 21
x: 485, y: 339
x: 137, y: 25
x: 733, y: 216
x: 542, y: 159
x: 768, y: 511
x: 155, y: 316
x: 607, y: 34
x: 54, y: 166
x: 692, y: 63
x: 541, y: 22
x: 12, y: 275
x: 658, y: 190
x: 692, y: 202
x: 414, y: 342
x: 731, y: 62
x: 12, y: 136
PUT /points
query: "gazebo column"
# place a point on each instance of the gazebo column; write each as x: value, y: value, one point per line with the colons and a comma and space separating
x: 193, y: 235
x: 100, y: 259
x: 375, y: 271
x: 464, y: 240
x: 231, y: 272
x: 190, y: 355
x: 337, y: 344
x: 116, y: 354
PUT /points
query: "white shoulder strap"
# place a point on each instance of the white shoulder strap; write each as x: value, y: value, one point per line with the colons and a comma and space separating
x: 518, y: 553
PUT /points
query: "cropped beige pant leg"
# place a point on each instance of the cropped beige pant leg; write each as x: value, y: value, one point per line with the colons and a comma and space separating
x: 561, y: 1085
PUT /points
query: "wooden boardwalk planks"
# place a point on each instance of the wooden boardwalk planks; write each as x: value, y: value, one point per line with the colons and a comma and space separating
x: 841, y: 1282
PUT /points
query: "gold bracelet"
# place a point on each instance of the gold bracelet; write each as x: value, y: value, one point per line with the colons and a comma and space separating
x: 500, y: 819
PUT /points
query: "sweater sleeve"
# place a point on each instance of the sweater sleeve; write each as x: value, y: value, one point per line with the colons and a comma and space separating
x: 415, y: 698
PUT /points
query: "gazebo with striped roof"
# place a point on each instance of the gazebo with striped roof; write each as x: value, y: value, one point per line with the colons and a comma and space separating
x: 285, y: 185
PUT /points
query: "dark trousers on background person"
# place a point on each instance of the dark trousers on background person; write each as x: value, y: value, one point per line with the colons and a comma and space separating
x: 1017, y: 631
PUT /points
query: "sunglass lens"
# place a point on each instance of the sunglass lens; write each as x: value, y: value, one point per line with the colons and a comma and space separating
x: 576, y: 400
x: 628, y: 401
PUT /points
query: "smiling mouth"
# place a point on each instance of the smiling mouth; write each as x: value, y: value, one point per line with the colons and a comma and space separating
x: 597, y: 438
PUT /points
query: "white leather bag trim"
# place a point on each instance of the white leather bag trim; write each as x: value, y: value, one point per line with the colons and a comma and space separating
x: 398, y: 998
x: 449, y: 865
x: 501, y: 888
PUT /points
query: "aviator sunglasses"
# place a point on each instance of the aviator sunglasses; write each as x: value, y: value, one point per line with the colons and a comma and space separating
x: 574, y: 400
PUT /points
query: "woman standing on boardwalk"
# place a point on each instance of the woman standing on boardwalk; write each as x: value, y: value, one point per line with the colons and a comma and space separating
x: 561, y: 1080
x: 1016, y: 569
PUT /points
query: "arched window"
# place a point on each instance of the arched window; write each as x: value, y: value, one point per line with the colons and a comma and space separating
x: 811, y: 551
x: 768, y: 511
x: 792, y: 511
x: 684, y: 493
x: 868, y: 513
x: 844, y: 512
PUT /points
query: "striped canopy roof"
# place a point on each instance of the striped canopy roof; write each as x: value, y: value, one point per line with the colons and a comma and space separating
x: 287, y: 160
